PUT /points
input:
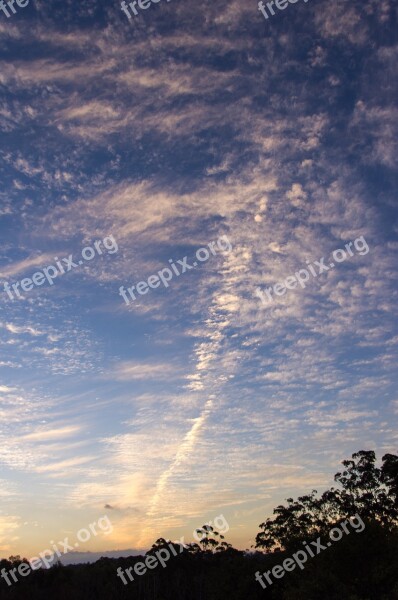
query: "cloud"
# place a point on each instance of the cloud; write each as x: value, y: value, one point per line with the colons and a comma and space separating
x: 18, y: 329
x: 132, y: 371
x: 9, y: 524
x: 46, y: 435
x: 169, y: 141
x: 64, y: 468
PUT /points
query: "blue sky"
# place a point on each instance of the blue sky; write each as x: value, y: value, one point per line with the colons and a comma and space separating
x: 190, y: 122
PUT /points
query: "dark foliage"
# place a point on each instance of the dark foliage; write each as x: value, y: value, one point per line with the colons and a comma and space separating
x: 364, y: 489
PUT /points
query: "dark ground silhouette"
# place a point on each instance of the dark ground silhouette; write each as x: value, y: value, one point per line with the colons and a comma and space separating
x: 361, y: 566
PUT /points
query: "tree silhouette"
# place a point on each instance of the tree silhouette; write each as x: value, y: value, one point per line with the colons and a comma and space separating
x: 358, y: 567
x: 208, y: 543
x: 366, y: 490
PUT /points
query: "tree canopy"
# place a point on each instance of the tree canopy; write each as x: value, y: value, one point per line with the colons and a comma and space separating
x: 364, y: 489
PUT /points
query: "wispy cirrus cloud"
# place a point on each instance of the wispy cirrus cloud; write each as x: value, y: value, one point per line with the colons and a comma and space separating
x: 197, y: 392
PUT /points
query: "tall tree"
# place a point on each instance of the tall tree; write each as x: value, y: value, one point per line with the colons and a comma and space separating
x: 365, y: 489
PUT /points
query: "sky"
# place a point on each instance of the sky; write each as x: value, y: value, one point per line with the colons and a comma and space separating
x: 188, y: 125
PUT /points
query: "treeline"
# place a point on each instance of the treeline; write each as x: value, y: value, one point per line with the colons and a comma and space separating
x: 361, y: 565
